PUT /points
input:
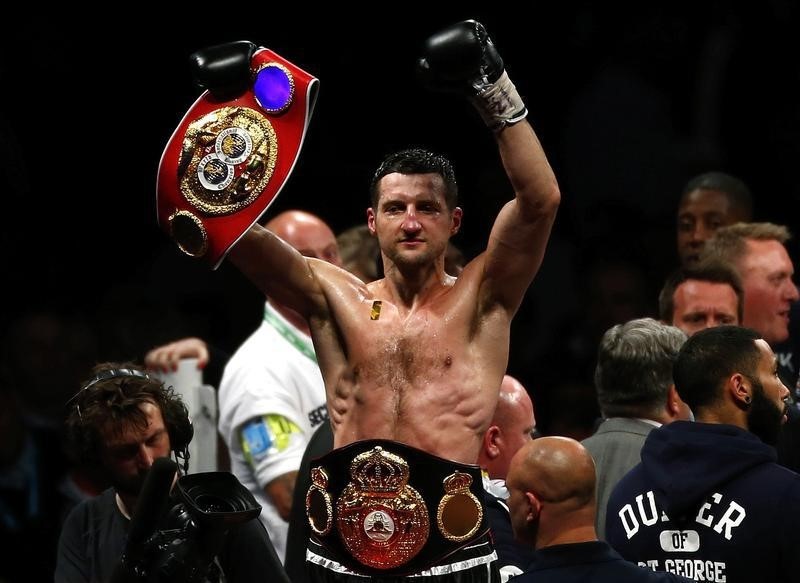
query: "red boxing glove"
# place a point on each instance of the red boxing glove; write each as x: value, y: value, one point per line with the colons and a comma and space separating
x: 230, y: 156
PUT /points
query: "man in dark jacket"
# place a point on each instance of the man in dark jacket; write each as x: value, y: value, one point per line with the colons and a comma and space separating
x: 708, y: 500
x: 551, y: 483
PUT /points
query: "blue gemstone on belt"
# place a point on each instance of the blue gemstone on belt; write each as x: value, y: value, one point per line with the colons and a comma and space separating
x: 273, y: 89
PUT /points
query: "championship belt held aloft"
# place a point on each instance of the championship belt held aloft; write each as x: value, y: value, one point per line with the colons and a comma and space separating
x: 234, y: 149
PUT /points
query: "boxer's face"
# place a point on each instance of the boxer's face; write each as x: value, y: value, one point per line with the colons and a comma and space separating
x: 412, y: 221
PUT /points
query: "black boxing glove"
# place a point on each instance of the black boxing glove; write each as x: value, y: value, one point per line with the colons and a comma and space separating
x: 463, y: 58
x: 224, y: 70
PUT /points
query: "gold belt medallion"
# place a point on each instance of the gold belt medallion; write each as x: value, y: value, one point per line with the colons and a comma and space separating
x: 319, y: 506
x: 460, y: 513
x: 382, y: 520
x: 227, y: 158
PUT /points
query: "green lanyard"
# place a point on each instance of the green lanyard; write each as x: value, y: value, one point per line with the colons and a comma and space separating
x: 290, y: 335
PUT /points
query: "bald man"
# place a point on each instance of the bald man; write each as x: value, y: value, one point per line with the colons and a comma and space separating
x: 551, y: 483
x: 512, y: 426
x: 272, y: 397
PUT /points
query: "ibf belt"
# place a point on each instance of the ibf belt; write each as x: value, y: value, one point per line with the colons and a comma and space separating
x: 382, y: 507
x: 235, y: 148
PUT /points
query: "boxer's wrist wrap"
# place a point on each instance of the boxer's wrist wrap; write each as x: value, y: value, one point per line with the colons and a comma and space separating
x: 499, y: 104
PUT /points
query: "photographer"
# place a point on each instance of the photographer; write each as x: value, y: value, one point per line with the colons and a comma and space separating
x: 123, y: 420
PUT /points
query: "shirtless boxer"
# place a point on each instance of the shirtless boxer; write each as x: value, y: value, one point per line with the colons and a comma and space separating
x: 418, y: 356
x: 412, y: 362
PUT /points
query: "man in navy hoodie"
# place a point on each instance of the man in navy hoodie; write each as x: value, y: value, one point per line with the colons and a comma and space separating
x: 708, y: 500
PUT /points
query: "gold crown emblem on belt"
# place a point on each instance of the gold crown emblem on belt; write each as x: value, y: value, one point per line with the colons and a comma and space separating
x: 378, y: 471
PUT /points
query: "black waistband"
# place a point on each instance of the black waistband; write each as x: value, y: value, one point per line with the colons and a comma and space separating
x: 382, y: 507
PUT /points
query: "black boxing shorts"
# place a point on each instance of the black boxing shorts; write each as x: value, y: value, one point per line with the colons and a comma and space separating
x: 379, y: 508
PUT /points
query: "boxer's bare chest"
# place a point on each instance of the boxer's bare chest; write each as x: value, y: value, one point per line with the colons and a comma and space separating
x: 399, y: 350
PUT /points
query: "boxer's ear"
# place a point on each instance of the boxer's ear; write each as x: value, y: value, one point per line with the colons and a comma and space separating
x: 455, y: 220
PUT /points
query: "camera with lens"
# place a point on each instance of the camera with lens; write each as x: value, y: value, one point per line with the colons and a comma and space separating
x: 193, y: 530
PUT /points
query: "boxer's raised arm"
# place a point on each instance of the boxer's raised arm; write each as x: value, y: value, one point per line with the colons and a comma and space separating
x: 520, y: 233
x: 279, y: 270
x: 463, y: 58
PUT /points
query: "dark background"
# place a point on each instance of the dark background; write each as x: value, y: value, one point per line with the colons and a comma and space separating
x: 629, y: 103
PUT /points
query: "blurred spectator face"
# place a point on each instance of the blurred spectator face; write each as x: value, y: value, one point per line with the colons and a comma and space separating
x: 766, y: 271
x: 360, y: 252
x: 700, y: 213
x: 307, y: 233
x: 703, y: 304
x: 316, y: 241
x: 617, y: 293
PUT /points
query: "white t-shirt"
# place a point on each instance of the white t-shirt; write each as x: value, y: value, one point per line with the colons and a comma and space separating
x: 271, y: 398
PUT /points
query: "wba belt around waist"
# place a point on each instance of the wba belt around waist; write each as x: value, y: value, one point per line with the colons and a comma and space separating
x: 382, y: 507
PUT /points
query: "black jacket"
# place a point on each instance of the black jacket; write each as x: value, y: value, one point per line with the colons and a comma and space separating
x: 709, y: 502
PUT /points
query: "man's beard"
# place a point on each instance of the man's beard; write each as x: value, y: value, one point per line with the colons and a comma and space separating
x: 764, y: 419
x: 130, y: 486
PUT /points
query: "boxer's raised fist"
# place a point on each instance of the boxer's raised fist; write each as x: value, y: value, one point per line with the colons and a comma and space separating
x: 223, y: 69
x: 463, y: 58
